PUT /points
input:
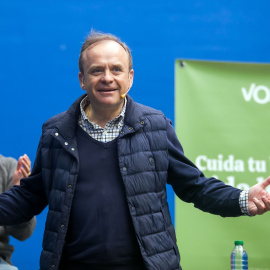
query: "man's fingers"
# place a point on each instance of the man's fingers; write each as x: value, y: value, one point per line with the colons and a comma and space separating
x: 261, y: 207
x: 26, y: 164
x: 19, y: 163
x: 25, y: 173
x: 266, y: 202
x: 27, y: 159
x: 266, y: 182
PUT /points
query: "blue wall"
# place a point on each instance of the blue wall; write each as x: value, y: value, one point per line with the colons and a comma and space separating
x: 40, y: 43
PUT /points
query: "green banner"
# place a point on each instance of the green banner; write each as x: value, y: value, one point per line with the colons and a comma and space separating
x: 222, y: 120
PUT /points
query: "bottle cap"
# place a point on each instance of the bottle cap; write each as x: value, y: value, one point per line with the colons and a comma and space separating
x: 238, y: 242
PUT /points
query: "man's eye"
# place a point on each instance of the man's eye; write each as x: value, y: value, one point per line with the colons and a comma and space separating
x: 117, y: 69
x: 97, y: 70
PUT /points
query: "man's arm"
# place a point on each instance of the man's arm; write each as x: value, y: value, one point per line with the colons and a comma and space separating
x: 192, y: 186
x: 210, y: 194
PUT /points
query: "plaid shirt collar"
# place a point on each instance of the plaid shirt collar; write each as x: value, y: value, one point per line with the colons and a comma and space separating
x: 106, y: 134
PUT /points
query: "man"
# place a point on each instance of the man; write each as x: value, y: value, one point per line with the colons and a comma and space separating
x: 102, y: 167
x: 11, y: 173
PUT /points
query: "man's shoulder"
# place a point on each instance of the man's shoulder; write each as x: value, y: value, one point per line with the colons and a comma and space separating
x: 152, y: 118
x: 146, y: 110
x: 53, y: 121
x: 63, y: 117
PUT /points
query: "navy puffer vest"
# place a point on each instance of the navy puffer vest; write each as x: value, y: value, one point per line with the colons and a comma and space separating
x: 143, y: 161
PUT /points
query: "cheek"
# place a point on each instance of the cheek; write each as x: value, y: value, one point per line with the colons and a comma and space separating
x: 90, y: 83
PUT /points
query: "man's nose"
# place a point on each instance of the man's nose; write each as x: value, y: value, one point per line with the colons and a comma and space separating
x: 107, y: 76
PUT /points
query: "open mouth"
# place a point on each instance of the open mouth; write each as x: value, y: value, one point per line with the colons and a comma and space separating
x: 106, y: 90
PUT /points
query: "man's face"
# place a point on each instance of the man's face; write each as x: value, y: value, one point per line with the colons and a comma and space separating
x: 106, y: 74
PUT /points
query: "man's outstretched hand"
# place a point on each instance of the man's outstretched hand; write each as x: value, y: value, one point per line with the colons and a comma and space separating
x: 259, y: 198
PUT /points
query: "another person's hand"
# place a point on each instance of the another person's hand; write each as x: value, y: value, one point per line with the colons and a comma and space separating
x: 259, y: 198
x: 23, y: 169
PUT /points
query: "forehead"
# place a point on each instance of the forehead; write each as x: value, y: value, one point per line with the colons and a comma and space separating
x: 106, y: 50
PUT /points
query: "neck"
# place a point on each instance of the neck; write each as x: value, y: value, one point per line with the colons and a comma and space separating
x: 101, y: 116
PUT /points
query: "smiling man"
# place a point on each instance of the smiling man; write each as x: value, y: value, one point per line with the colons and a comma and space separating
x: 106, y: 75
x: 102, y: 168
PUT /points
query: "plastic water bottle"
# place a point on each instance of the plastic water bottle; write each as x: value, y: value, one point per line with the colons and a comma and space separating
x: 239, y: 257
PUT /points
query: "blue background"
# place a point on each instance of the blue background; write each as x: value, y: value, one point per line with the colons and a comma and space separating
x: 40, y: 43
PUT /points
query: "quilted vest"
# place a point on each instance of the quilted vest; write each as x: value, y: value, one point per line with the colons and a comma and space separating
x: 143, y: 161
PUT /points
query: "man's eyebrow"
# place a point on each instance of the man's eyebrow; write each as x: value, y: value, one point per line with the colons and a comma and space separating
x: 119, y: 65
x: 95, y: 66
x: 92, y: 67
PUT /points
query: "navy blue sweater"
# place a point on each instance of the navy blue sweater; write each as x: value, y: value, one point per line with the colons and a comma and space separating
x: 100, y: 230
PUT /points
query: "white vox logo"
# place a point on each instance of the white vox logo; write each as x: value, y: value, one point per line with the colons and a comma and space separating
x: 260, y: 93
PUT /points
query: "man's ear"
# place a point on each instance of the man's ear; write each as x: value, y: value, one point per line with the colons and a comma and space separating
x: 130, y: 77
x: 81, y: 79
